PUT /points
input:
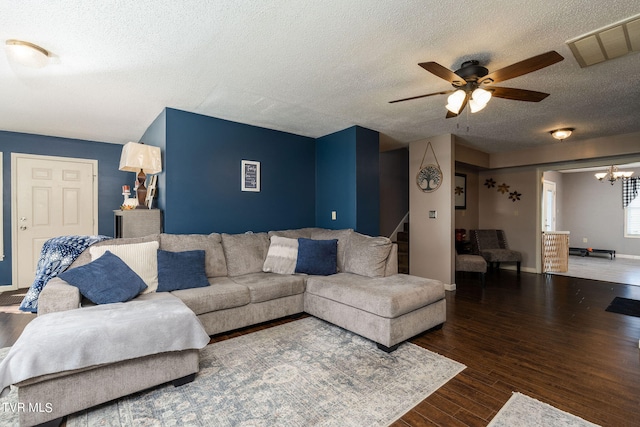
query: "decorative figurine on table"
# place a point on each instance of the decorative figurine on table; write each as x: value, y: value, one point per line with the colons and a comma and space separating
x: 128, y: 203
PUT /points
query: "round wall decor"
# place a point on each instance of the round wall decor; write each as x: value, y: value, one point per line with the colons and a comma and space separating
x: 429, y: 178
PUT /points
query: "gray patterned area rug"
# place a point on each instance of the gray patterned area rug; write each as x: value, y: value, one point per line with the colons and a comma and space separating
x: 525, y: 411
x: 303, y: 373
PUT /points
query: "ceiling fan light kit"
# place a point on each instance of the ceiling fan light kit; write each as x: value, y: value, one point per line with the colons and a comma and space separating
x: 473, y: 84
x: 479, y: 99
x: 455, y: 100
x: 562, y: 134
x: 26, y: 53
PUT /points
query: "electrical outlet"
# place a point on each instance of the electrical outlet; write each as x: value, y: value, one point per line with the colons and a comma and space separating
x: 334, y: 215
x: 433, y: 214
x: 584, y: 240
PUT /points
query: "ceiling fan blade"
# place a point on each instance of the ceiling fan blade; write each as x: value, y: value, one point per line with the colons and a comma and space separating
x: 523, y: 67
x: 517, y: 94
x: 422, y: 96
x: 443, y: 72
x: 464, y: 104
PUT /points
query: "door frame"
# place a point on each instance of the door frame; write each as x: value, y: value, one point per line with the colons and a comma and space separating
x: 550, y: 184
x: 14, y: 202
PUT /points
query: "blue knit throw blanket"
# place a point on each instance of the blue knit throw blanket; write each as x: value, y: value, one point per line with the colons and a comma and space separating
x: 56, y: 255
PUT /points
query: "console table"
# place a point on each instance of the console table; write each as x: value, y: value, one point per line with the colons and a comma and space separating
x: 137, y: 222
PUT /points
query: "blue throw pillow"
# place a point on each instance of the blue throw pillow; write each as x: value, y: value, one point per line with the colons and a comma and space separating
x: 105, y: 280
x: 181, y: 270
x: 319, y: 257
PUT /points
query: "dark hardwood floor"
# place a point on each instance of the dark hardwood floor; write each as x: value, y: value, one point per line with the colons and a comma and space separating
x: 545, y: 336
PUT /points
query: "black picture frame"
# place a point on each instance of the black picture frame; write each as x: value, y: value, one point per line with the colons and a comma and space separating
x: 460, y: 191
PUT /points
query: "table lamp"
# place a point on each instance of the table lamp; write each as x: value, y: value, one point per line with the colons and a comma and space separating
x: 143, y: 159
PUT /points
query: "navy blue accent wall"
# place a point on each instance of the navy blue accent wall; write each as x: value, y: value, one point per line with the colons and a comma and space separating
x: 347, y: 180
x: 368, y: 181
x: 202, y: 176
x: 156, y: 135
x: 110, y: 179
x: 336, y: 180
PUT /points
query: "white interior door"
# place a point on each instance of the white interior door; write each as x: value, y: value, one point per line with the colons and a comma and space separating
x: 51, y: 196
x: 549, y: 206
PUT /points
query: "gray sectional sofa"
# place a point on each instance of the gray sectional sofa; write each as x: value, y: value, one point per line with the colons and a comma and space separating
x: 365, y: 296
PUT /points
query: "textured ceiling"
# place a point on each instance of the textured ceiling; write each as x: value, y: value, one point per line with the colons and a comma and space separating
x: 310, y: 68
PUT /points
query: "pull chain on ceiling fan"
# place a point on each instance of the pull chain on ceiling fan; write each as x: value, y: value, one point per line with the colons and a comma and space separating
x: 473, y: 84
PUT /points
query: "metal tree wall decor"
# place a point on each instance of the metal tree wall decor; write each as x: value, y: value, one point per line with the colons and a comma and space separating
x: 429, y: 176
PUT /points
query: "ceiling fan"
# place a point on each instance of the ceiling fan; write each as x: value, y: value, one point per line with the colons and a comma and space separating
x: 473, y: 84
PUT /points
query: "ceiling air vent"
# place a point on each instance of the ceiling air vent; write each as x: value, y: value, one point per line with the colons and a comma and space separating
x: 607, y: 43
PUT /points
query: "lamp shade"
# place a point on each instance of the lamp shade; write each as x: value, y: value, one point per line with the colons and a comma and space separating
x: 138, y: 157
x: 455, y: 101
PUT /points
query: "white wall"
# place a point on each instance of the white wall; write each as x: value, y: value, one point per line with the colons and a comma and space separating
x: 593, y: 210
x: 519, y: 219
x: 431, y: 247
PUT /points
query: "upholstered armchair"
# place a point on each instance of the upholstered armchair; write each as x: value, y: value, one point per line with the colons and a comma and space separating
x: 492, y: 246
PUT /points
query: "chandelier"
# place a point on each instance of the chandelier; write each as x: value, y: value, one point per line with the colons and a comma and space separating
x: 613, y: 174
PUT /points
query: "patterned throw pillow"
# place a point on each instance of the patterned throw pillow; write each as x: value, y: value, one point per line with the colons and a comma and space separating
x: 282, y: 256
x: 106, y: 280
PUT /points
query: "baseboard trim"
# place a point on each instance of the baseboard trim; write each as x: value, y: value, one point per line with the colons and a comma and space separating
x: 449, y: 286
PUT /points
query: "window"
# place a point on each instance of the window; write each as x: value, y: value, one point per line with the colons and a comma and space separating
x: 632, y: 219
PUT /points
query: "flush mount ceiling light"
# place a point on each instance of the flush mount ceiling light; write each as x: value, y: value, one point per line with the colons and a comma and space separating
x: 562, y: 134
x: 27, y: 54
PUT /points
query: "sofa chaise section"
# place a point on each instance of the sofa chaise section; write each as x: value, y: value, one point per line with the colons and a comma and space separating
x: 387, y: 310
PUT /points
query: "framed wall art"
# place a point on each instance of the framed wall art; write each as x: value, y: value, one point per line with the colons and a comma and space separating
x: 250, y: 178
x: 460, y: 191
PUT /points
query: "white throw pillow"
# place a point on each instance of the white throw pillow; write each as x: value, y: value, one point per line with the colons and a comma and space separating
x: 282, y: 256
x: 142, y: 258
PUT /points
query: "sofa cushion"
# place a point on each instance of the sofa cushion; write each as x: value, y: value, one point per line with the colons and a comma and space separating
x: 282, y: 256
x: 343, y: 240
x: 106, y: 280
x: 215, y: 263
x: 269, y: 286
x: 294, y: 233
x: 317, y: 257
x: 367, y: 255
x: 245, y: 253
x: 140, y: 257
x: 222, y: 294
x: 501, y: 255
x: 85, y: 256
x: 181, y: 270
x: 388, y: 297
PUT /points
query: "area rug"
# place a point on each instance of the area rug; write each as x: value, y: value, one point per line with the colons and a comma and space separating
x: 630, y: 307
x: 525, y: 411
x: 303, y: 373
